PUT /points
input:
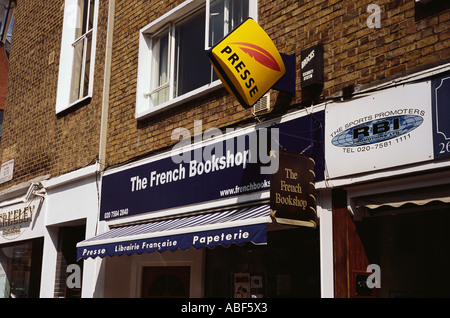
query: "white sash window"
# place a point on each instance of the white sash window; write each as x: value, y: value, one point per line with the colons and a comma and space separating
x: 76, y: 70
x: 173, y: 62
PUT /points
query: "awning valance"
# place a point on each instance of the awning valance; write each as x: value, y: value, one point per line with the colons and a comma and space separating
x: 398, y: 199
x: 236, y: 226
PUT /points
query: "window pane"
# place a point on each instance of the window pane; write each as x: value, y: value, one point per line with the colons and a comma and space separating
x: 160, y: 96
x: 76, y: 71
x: 225, y: 15
x: 216, y: 21
x: 238, y: 13
x: 85, y: 17
x: 87, y: 67
x: 193, y: 66
x: 160, y: 62
x: 79, y: 31
x: 91, y: 15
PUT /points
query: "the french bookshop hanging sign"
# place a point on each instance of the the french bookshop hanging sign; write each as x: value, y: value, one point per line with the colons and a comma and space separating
x: 292, y: 197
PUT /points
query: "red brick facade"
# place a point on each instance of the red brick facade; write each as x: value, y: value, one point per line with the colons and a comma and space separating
x: 354, y: 55
x: 40, y: 141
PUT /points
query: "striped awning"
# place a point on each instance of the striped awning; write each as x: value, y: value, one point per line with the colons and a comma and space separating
x: 236, y: 226
x: 420, y: 196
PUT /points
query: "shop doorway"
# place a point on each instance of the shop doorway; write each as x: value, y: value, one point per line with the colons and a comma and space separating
x: 165, y: 281
x: 67, y: 255
x: 411, y: 246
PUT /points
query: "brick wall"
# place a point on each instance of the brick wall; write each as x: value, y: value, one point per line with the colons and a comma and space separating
x: 127, y: 137
x: 354, y: 54
x: 40, y: 141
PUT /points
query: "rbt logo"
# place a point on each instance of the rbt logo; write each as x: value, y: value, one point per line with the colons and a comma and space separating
x: 377, y: 130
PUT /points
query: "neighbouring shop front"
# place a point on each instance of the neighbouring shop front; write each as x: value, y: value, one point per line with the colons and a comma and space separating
x: 388, y: 157
x: 198, y: 221
x: 21, y: 242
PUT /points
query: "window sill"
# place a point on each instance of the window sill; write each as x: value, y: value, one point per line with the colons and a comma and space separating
x: 179, y: 100
x: 76, y: 103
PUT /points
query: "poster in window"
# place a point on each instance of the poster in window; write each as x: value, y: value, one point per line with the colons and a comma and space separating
x: 241, y: 285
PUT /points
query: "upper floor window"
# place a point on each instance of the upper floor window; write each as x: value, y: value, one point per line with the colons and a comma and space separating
x: 76, y: 69
x: 173, y: 63
x: 6, y: 20
x: 82, y: 47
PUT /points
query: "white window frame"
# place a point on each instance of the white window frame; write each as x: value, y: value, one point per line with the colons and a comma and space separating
x: 71, y: 12
x: 143, y: 105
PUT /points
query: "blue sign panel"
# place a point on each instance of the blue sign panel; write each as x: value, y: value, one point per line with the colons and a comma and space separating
x: 441, y: 116
x: 232, y: 167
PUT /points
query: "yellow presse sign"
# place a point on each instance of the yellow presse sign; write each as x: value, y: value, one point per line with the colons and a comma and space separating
x: 247, y: 62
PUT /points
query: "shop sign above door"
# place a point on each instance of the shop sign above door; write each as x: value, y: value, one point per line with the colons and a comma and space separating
x: 209, y: 173
x: 17, y: 218
x: 247, y: 62
x: 292, y: 197
x: 386, y: 129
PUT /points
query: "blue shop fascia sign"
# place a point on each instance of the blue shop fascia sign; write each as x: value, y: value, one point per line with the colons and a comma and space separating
x: 231, y: 167
x: 440, y: 95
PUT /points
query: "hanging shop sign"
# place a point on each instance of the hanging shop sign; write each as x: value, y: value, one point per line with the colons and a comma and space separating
x: 20, y: 221
x: 292, y: 190
x: 312, y: 66
x: 386, y: 129
x: 441, y: 116
x: 247, y: 62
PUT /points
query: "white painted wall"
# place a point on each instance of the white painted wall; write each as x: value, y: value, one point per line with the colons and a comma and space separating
x: 71, y: 199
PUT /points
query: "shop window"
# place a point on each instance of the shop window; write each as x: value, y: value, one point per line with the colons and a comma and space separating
x: 287, y: 267
x: 76, y: 70
x: 173, y: 64
x: 20, y: 269
x: 410, y: 244
x: 165, y: 282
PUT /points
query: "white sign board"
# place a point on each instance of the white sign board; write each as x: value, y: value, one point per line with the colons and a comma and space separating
x: 386, y: 129
x: 21, y: 221
x: 7, y: 171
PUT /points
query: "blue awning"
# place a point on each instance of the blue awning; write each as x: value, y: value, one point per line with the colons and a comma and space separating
x: 206, y: 230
